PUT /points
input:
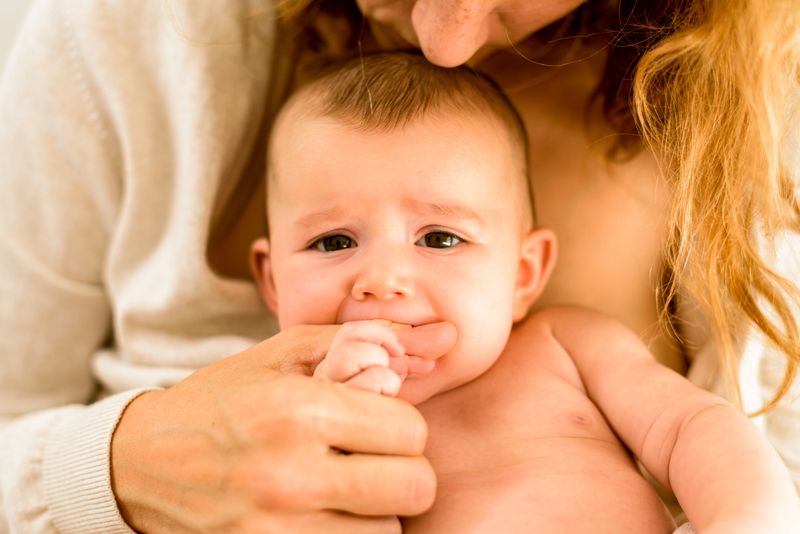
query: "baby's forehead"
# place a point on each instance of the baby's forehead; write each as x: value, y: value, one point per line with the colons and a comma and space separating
x: 307, y: 110
x: 304, y: 132
x: 462, y: 149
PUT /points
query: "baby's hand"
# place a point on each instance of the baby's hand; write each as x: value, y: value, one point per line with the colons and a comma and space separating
x: 368, y: 355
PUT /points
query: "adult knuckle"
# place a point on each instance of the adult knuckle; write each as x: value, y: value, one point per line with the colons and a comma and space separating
x: 276, y: 423
x: 299, y: 409
x: 319, y: 489
x: 281, y: 388
x: 298, y: 420
x: 279, y: 483
x: 312, y: 420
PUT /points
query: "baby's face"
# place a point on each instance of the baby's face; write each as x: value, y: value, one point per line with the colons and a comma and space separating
x: 416, y: 225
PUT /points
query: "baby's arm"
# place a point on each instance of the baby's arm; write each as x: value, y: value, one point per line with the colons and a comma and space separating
x: 368, y: 355
x: 727, y: 477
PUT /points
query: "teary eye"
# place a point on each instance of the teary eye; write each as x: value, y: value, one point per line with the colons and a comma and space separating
x: 439, y: 240
x: 332, y: 243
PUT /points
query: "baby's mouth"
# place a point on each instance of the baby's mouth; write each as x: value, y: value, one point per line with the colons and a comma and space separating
x: 413, y: 320
x: 394, y: 322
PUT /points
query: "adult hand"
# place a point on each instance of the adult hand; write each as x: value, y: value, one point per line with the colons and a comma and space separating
x: 249, y: 445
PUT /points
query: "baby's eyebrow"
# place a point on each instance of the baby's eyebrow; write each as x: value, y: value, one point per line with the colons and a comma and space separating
x: 313, y: 219
x: 458, y: 211
x: 435, y: 209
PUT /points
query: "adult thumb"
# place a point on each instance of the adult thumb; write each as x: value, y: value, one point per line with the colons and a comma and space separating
x: 429, y: 341
x: 297, y: 349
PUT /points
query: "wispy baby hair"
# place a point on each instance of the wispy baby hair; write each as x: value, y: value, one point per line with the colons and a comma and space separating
x: 389, y: 90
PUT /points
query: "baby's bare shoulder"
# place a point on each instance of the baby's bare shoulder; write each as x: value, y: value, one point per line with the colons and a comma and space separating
x: 575, y: 326
x: 571, y: 315
x: 534, y: 347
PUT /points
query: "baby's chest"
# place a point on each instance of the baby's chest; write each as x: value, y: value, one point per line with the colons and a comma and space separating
x: 527, y: 407
x: 522, y: 449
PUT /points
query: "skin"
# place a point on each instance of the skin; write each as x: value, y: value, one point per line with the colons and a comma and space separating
x: 453, y: 32
x: 609, y: 216
x: 245, y: 445
x: 569, y: 385
x: 588, y: 206
x: 327, y: 181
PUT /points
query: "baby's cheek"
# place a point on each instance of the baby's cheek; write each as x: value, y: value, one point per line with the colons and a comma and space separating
x: 478, y: 347
x: 308, y: 303
x: 486, y: 342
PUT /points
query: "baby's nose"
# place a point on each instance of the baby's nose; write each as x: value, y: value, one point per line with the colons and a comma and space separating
x: 384, y: 282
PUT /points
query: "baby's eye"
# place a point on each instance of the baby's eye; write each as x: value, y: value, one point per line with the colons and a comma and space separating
x: 332, y: 243
x: 439, y: 240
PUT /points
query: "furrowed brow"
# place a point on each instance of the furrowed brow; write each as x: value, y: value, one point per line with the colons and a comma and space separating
x: 316, y: 218
x: 457, y: 211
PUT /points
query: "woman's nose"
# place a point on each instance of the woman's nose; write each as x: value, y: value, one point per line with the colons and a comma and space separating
x: 451, y: 31
x: 384, y: 279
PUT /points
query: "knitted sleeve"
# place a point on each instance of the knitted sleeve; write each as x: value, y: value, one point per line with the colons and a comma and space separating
x: 59, y: 191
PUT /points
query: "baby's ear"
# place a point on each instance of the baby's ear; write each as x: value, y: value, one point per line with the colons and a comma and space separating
x: 537, y: 258
x: 262, y: 273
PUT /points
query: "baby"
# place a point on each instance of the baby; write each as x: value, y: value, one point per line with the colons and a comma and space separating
x: 398, y: 195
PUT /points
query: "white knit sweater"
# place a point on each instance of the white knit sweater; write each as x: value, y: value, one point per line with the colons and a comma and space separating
x: 121, y: 124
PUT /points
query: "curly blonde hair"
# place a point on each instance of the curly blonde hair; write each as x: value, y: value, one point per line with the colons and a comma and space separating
x: 710, y: 87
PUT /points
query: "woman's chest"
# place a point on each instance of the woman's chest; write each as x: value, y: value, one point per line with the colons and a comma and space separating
x: 610, y: 224
x: 610, y: 218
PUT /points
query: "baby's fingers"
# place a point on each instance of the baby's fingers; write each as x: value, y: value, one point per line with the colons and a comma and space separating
x: 377, y: 332
x: 378, y: 379
x: 349, y: 359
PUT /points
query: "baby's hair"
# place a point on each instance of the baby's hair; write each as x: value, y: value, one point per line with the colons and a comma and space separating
x: 387, y: 91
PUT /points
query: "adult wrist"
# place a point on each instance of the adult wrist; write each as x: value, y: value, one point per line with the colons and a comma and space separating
x: 76, y: 473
